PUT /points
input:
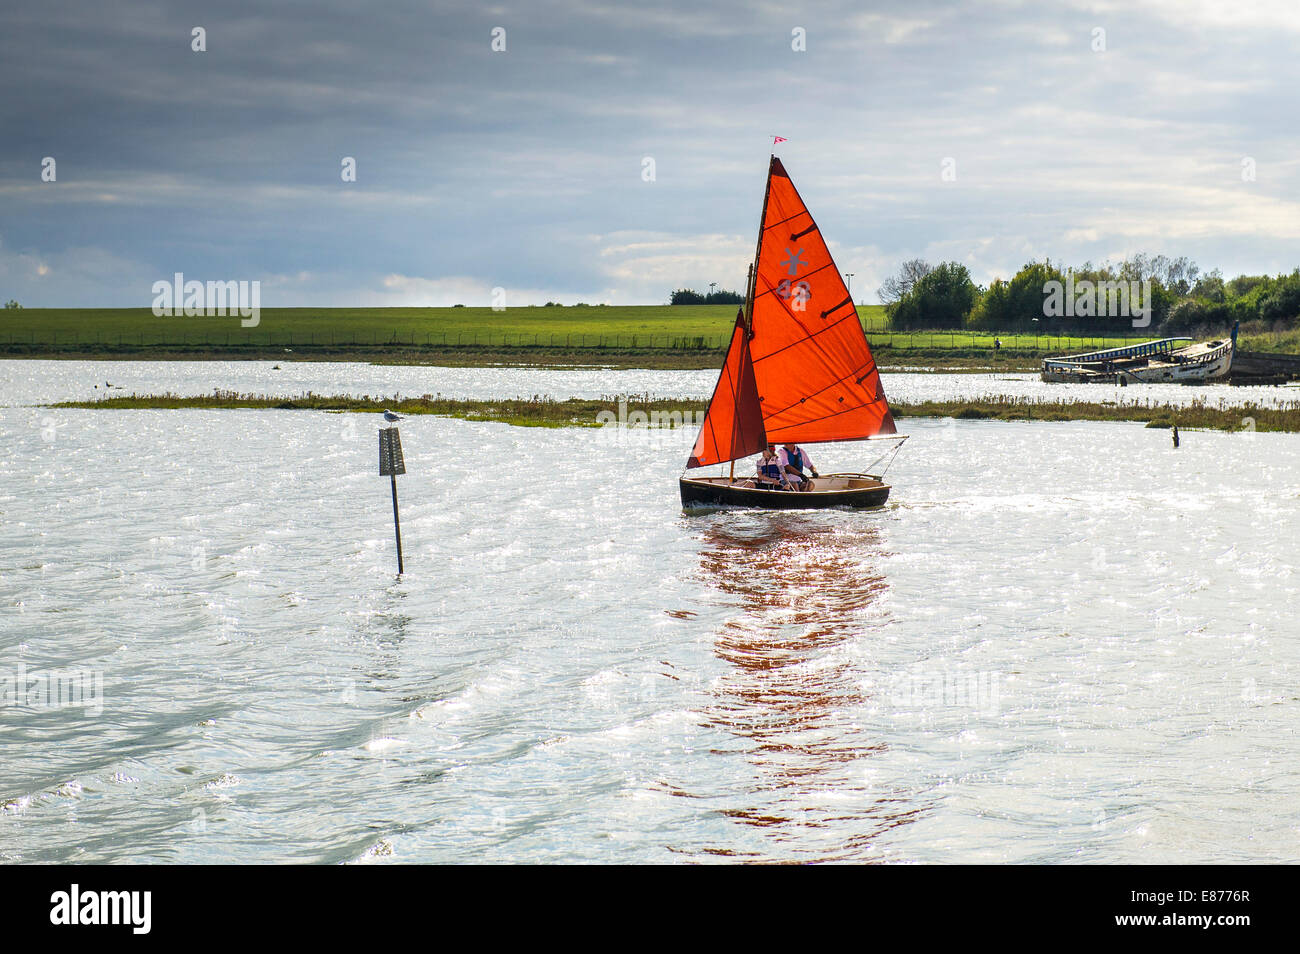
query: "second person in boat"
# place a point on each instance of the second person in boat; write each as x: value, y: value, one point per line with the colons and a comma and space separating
x: 793, y: 459
x: 770, y: 475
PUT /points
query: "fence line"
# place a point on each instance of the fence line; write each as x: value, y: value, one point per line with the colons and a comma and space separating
x: 1016, y: 341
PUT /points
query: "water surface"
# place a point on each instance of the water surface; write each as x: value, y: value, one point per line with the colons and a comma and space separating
x: 1058, y: 642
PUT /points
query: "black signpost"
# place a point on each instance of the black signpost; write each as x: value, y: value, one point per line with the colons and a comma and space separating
x: 391, y: 464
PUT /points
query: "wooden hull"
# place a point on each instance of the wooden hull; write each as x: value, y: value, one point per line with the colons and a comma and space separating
x: 857, y: 491
x: 1197, y: 364
x: 1210, y: 364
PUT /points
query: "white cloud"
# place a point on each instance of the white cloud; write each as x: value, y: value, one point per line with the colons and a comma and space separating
x: 523, y: 169
x: 890, y: 29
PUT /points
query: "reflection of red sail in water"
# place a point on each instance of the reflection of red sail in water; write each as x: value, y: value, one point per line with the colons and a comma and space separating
x: 790, y: 694
x: 813, y: 374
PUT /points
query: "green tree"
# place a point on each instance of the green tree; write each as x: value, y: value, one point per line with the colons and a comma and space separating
x: 1243, y: 285
x: 1282, y: 301
x: 689, y: 296
x: 941, y: 298
x: 1015, y: 305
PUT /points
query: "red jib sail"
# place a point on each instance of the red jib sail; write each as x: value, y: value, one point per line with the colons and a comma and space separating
x: 816, y: 378
x: 733, y: 426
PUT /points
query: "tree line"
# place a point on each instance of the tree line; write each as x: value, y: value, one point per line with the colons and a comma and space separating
x: 1167, y: 296
x: 689, y: 296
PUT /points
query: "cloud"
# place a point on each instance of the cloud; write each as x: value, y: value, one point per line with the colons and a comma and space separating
x: 76, y: 276
x: 522, y: 169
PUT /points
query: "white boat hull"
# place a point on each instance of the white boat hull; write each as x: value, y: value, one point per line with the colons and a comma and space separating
x: 1197, y: 364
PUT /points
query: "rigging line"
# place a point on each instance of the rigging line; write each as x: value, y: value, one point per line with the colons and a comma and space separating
x: 786, y: 219
x: 892, y: 454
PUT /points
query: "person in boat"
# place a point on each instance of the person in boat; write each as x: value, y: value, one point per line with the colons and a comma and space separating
x: 770, y: 475
x: 793, y: 459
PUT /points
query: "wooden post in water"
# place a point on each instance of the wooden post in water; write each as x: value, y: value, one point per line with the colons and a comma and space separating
x: 391, y: 464
x: 397, y: 526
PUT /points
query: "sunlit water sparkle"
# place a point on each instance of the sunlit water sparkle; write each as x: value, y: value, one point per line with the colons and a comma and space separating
x: 1058, y: 642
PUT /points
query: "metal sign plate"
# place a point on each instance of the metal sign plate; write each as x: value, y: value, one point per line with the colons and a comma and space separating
x: 390, y: 452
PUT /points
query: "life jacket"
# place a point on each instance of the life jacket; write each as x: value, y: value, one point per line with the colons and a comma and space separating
x: 770, y: 469
x: 795, y: 459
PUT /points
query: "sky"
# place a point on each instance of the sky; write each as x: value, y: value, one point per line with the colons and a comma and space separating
x: 990, y: 133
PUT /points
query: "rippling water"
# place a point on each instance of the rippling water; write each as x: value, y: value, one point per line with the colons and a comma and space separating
x: 1059, y: 642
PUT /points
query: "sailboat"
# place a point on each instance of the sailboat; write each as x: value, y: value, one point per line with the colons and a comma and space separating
x: 798, y: 370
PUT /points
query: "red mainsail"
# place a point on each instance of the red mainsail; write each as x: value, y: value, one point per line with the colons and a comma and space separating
x: 800, y: 369
x: 733, y: 426
x: 816, y: 378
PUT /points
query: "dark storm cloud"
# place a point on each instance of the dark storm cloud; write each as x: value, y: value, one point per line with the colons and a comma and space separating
x: 523, y: 169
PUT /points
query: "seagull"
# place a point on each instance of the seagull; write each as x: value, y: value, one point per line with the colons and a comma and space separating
x: 390, y: 417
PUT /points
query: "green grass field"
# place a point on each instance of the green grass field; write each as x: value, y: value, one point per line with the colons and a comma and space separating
x: 634, y: 328
x: 377, y: 325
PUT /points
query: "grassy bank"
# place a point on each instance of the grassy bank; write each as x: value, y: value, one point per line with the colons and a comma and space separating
x: 543, y: 412
x: 590, y: 326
